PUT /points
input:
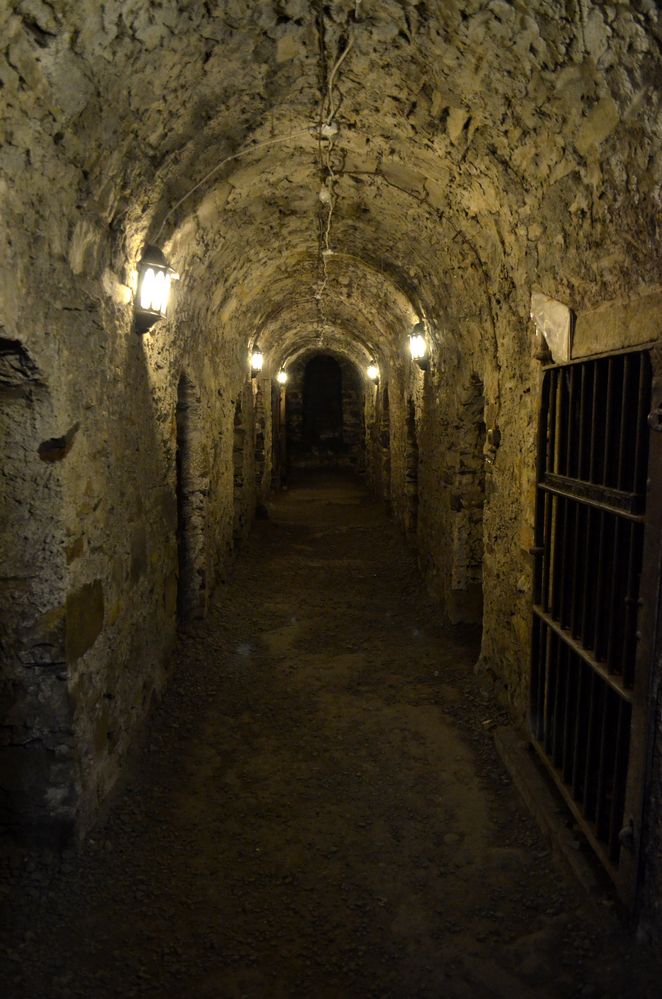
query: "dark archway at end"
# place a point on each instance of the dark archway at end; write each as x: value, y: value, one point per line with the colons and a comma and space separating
x: 325, y: 413
x: 323, y: 405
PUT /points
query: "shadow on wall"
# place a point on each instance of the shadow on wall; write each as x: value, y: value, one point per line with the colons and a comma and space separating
x: 38, y: 774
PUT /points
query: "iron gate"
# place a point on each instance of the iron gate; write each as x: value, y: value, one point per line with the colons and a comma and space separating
x: 591, y: 663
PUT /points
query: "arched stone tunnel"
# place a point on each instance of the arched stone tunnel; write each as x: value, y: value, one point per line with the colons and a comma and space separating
x: 323, y: 176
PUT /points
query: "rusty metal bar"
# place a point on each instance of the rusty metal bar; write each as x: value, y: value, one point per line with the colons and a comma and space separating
x: 632, y: 603
x: 600, y: 586
x: 641, y: 435
x: 619, y: 781
x: 580, y: 471
x: 596, y: 416
x: 579, y: 743
x: 590, y: 580
x: 548, y: 459
x: 603, y: 498
x: 577, y: 570
x: 569, y: 375
x: 584, y: 655
x: 615, y: 598
x: 604, y: 477
x: 607, y: 751
x: 624, y: 440
x: 589, y: 548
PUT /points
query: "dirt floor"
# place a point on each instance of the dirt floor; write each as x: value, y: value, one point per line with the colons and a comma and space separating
x: 318, y: 809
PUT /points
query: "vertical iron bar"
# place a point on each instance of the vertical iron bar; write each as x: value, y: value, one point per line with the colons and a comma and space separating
x: 581, y: 432
x: 605, y: 769
x: 580, y: 731
x: 550, y: 682
x: 569, y: 715
x: 576, y: 588
x: 615, y: 591
x: 599, y: 583
x: 595, y: 686
x: 570, y: 429
x: 596, y: 422
x: 641, y: 434
x: 607, y: 423
x: 624, y: 443
x: 622, y: 746
x: 550, y: 458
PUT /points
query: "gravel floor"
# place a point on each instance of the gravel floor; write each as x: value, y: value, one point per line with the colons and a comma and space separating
x: 318, y: 809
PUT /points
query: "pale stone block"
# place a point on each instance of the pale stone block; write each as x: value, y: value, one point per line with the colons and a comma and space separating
x: 554, y: 321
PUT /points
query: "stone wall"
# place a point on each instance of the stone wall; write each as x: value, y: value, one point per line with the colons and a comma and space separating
x: 473, y: 151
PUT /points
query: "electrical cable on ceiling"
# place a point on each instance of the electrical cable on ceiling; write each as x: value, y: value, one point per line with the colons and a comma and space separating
x: 328, y: 131
x: 233, y: 156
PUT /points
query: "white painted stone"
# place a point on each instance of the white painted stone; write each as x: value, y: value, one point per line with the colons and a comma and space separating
x: 554, y: 321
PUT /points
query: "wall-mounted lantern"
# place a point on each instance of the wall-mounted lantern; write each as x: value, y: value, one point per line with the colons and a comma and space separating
x: 257, y: 361
x: 372, y: 372
x: 281, y: 377
x: 155, y: 277
x: 418, y: 346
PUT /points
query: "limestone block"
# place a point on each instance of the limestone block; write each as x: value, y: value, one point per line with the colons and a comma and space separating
x: 457, y: 119
x: 19, y: 55
x: 600, y: 123
x: 596, y: 34
x: 290, y: 46
x: 554, y: 320
x: 618, y: 324
x: 84, y: 246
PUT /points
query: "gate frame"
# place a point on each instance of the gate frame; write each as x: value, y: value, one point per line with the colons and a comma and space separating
x: 648, y: 662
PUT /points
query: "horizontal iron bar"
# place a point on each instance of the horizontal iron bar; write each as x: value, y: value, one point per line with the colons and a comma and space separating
x: 601, y: 497
x: 617, y: 352
x: 578, y: 648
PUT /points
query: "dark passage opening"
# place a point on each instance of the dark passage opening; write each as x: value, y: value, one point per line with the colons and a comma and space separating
x: 324, y: 414
x: 322, y: 404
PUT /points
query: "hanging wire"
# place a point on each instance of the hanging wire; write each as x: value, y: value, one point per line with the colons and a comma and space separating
x: 233, y: 156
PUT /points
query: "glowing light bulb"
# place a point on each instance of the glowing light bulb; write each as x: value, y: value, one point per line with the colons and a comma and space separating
x: 257, y: 360
x: 147, y: 289
x: 158, y: 289
x: 154, y: 283
x: 373, y: 372
x: 418, y: 345
x: 281, y: 377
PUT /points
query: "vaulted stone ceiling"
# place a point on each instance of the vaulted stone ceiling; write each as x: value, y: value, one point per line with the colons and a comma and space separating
x: 479, y: 147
